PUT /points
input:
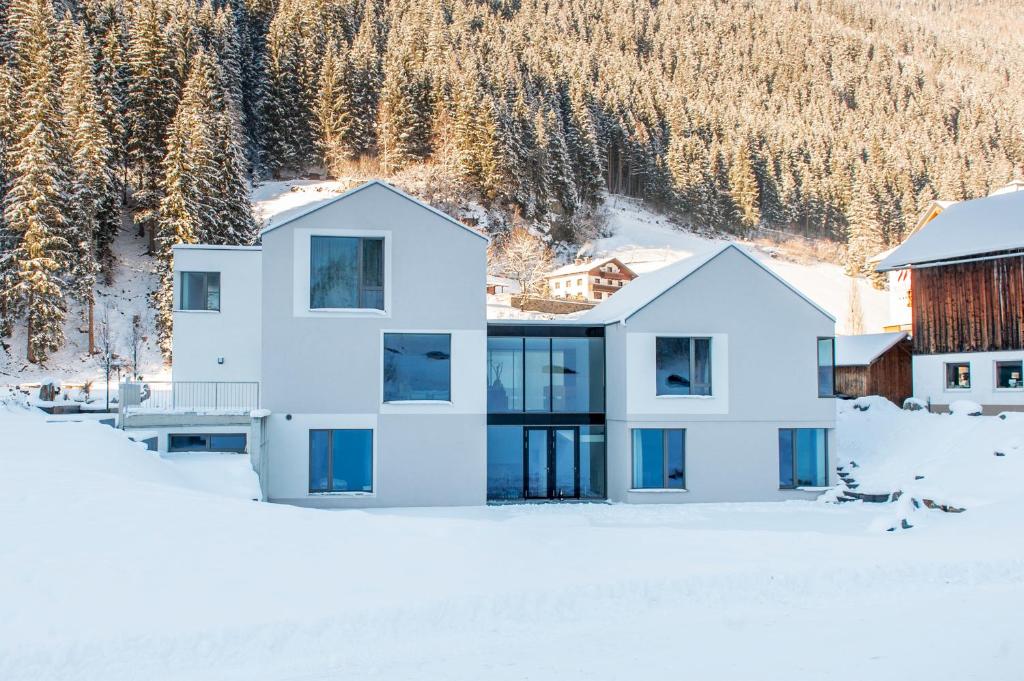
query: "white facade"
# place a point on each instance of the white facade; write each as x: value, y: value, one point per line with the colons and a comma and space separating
x: 930, y: 380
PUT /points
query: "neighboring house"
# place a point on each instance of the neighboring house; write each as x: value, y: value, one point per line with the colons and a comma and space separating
x: 967, y: 276
x: 875, y: 364
x: 381, y: 383
x: 586, y: 279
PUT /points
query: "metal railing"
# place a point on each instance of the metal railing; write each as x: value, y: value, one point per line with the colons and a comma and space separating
x: 189, y: 396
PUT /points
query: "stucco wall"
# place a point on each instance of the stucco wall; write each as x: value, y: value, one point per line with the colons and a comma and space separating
x: 930, y: 380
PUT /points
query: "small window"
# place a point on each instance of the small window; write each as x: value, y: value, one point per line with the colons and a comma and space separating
x: 417, y: 367
x: 341, y: 460
x: 659, y: 458
x: 598, y: 295
x: 346, y: 273
x: 579, y: 282
x: 206, y: 442
x: 958, y: 376
x: 558, y: 284
x: 1008, y: 375
x: 803, y: 457
x: 683, y: 366
x: 200, y: 291
x: 826, y: 367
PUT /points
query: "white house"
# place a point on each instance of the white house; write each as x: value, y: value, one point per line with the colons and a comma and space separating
x: 588, y: 279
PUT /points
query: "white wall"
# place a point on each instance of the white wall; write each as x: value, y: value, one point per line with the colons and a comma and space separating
x: 233, y: 333
x: 930, y: 380
x: 641, y: 397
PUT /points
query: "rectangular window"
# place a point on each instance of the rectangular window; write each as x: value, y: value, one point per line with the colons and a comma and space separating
x: 826, y: 367
x: 206, y: 442
x: 683, y: 366
x: 958, y: 376
x: 417, y: 367
x: 803, y: 457
x: 659, y: 458
x: 346, y: 273
x: 1008, y: 375
x: 341, y: 460
x: 200, y: 291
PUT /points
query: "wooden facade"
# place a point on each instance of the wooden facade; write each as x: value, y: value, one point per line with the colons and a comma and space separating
x: 889, y: 375
x: 969, y: 307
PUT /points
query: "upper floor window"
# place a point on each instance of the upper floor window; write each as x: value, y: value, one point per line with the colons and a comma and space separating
x: 417, y: 367
x: 803, y: 457
x: 826, y: 367
x: 1008, y: 374
x: 200, y: 291
x: 346, y: 272
x: 958, y: 376
x: 545, y: 374
x: 683, y: 366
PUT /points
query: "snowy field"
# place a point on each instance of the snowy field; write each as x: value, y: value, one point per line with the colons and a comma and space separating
x: 119, y: 564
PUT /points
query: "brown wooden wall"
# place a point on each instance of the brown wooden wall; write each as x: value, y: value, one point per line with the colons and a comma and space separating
x: 971, y: 307
x: 890, y: 376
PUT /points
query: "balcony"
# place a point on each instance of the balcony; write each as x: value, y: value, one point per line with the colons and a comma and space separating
x: 182, y: 403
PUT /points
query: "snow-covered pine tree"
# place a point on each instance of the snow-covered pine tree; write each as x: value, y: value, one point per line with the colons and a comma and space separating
x: 403, y: 117
x: 743, y: 187
x: 333, y: 110
x: 863, y: 227
x: 364, y: 81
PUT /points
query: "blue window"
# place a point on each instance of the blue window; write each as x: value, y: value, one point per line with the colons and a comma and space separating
x: 504, y: 463
x: 341, y: 460
x: 826, y: 367
x: 200, y: 291
x: 803, y: 457
x: 346, y: 273
x: 206, y: 442
x: 683, y: 366
x: 659, y: 458
x: 417, y: 367
x: 539, y: 374
x: 504, y: 375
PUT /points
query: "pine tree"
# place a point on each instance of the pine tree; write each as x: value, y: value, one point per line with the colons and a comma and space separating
x: 864, y: 231
x: 743, y: 188
x: 333, y: 110
x: 403, y: 121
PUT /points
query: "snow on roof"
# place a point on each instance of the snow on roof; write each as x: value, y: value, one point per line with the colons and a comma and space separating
x: 574, y: 268
x: 856, y: 351
x: 212, y: 247
x: 994, y: 223
x: 646, y: 288
x: 387, y: 186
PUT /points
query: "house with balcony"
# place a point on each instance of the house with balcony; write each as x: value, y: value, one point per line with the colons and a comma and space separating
x: 588, y: 279
x: 382, y: 383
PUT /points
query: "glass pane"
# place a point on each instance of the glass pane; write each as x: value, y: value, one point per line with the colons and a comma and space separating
x: 504, y: 374
x: 538, y: 374
x: 232, y: 442
x: 1008, y: 374
x: 565, y: 463
x: 958, y: 376
x: 213, y: 290
x: 373, y: 263
x: 504, y: 462
x: 810, y: 457
x: 672, y: 360
x: 333, y: 272
x: 676, y: 459
x: 318, y: 441
x: 701, y: 367
x: 785, y: 457
x: 417, y: 366
x: 592, y: 462
x: 373, y: 299
x: 188, y: 443
x: 537, y: 463
x: 648, y: 458
x: 193, y: 291
x: 352, y: 461
x: 826, y: 374
x: 577, y: 374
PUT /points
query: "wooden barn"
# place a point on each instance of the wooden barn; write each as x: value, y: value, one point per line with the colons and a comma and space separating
x: 875, y: 364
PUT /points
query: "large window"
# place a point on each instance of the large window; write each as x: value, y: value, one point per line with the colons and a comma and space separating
x: 504, y: 374
x: 803, y: 457
x: 545, y: 462
x: 206, y: 442
x: 346, y: 273
x: 417, y: 367
x: 341, y: 460
x: 200, y: 291
x: 1008, y: 375
x: 659, y: 458
x: 826, y: 367
x: 958, y: 376
x: 683, y: 366
x: 543, y: 374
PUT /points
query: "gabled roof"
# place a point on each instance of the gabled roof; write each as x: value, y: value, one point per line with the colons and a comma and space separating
x: 647, y: 288
x: 372, y: 183
x: 862, y: 350
x: 579, y: 268
x: 988, y: 225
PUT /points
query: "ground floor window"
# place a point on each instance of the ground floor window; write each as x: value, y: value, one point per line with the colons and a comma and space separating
x: 1008, y: 374
x: 545, y: 462
x: 958, y: 376
x: 206, y: 442
x: 341, y: 460
x: 803, y: 457
x: 659, y: 458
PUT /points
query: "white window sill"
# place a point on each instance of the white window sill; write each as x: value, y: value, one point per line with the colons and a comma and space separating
x: 199, y: 311
x: 658, y: 490
x: 342, y: 494
x: 1008, y: 390
x: 348, y: 311
x: 684, y: 397
x: 400, y: 403
x: 804, y: 489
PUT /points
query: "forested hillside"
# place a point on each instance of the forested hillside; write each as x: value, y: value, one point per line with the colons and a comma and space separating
x: 836, y: 119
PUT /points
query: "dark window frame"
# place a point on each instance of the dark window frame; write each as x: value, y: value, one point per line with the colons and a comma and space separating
x: 819, y: 366
x: 206, y: 291
x: 384, y: 341
x: 794, y: 461
x: 664, y: 459
x: 330, y: 462
x: 363, y: 289
x: 209, y: 442
x: 1000, y: 363
x: 951, y: 386
x: 693, y: 368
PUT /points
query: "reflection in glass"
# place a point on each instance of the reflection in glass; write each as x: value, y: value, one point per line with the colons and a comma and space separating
x: 504, y: 375
x: 417, y: 367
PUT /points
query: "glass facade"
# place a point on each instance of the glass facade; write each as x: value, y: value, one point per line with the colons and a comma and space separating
x: 417, y: 367
x: 545, y: 462
x: 803, y: 457
x: 561, y: 375
x: 346, y: 273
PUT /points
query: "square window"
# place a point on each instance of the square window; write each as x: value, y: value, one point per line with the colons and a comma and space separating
x: 346, y: 273
x: 958, y: 376
x: 200, y: 291
x: 341, y: 460
x: 417, y: 367
x: 659, y: 458
x: 826, y: 367
x: 1008, y: 375
x: 683, y: 366
x: 803, y: 457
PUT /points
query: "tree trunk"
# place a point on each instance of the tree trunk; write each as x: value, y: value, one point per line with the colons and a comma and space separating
x: 92, y: 327
x: 31, y: 355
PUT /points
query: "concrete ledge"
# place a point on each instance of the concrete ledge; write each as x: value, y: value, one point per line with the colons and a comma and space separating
x: 182, y: 420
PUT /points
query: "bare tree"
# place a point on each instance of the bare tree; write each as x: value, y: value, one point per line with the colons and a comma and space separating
x: 135, y: 341
x: 855, y: 314
x: 105, y: 349
x: 524, y: 257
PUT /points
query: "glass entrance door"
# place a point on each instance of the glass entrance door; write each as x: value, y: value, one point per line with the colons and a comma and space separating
x: 551, y: 457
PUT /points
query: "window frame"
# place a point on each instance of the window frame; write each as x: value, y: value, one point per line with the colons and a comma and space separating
x: 206, y: 290
x: 664, y: 461
x: 946, y: 387
x: 995, y: 377
x: 383, y: 354
x: 693, y: 368
x: 330, y: 463
x: 818, y: 366
x: 362, y: 288
x: 794, y: 462
x: 209, y: 443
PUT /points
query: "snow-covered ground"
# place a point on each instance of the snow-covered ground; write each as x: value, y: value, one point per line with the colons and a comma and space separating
x: 116, y: 564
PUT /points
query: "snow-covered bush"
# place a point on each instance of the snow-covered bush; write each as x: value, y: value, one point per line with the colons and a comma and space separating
x: 965, y: 408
